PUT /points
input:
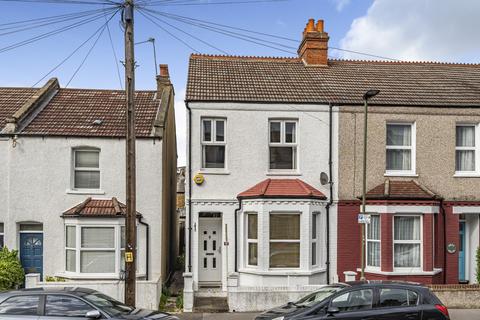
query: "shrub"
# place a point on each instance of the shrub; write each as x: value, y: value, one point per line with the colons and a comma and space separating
x: 478, y: 265
x: 179, y: 301
x: 11, y: 271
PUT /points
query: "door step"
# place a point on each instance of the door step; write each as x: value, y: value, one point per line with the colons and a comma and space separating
x: 210, y: 304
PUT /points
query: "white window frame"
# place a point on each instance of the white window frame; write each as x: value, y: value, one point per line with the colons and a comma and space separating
x: 285, y: 241
x: 407, y: 269
x: 379, y: 241
x: 213, y: 141
x: 2, y: 233
x: 412, y: 148
x: 315, y: 239
x: 251, y: 241
x: 87, y: 169
x: 475, y: 148
x: 283, y: 143
x: 78, y: 249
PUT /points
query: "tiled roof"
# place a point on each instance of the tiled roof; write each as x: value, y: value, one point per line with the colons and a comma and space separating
x: 11, y: 99
x: 97, y: 208
x: 72, y: 112
x: 284, y: 80
x: 282, y: 188
x: 400, y: 190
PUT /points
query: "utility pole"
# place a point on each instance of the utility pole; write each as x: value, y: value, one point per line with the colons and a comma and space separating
x: 131, y: 217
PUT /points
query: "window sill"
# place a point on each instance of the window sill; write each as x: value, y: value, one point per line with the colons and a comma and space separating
x: 406, y: 272
x: 466, y: 175
x: 283, y: 173
x: 283, y: 272
x: 400, y: 174
x: 214, y: 172
x: 85, y: 191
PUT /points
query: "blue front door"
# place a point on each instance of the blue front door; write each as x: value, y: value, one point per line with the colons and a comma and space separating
x: 461, y: 252
x: 31, y: 252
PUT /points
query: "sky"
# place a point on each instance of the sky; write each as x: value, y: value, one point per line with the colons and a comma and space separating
x: 437, y: 30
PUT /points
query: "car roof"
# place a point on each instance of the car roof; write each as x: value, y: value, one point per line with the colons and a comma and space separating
x: 77, y: 291
x: 380, y: 283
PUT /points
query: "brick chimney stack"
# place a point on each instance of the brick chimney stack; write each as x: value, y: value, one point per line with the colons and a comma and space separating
x: 163, y: 79
x: 314, y: 47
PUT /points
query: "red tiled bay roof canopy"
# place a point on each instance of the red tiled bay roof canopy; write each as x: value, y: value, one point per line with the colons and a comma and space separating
x: 282, y: 188
x: 98, y: 208
x: 288, y: 80
x: 397, y: 190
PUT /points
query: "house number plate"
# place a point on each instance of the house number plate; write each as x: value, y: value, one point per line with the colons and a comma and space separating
x: 451, y: 248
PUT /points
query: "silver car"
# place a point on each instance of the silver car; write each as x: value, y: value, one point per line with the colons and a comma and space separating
x: 69, y: 303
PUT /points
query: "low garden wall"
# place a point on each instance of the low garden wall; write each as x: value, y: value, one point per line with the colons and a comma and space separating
x: 148, y: 292
x: 458, y: 296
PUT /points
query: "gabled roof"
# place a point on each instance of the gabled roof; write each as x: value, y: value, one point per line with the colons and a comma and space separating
x: 97, y: 208
x: 282, y: 188
x: 288, y: 80
x: 397, y: 190
x: 75, y: 112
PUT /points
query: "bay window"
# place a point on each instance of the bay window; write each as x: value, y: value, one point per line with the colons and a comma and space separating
x: 400, y: 148
x: 252, y: 239
x: 283, y: 145
x: 93, y: 249
x: 284, y: 240
x: 466, y: 151
x: 86, y: 169
x: 373, y: 242
x: 213, y: 143
x: 407, y: 241
x: 315, y: 219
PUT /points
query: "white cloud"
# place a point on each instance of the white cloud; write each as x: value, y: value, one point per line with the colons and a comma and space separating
x: 442, y: 30
x: 341, y: 4
x: 181, y: 126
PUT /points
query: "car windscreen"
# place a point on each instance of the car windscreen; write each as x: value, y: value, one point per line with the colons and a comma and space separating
x: 108, y: 305
x: 318, y: 296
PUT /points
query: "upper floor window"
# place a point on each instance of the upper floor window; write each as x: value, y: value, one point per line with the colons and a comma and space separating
x: 407, y: 241
x: 373, y: 242
x: 466, y: 151
x: 213, y: 143
x: 400, y: 148
x: 283, y: 144
x: 86, y: 169
x: 2, y: 239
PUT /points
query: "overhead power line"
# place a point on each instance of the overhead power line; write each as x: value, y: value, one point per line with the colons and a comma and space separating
x: 67, y: 2
x: 114, y: 54
x: 162, y: 3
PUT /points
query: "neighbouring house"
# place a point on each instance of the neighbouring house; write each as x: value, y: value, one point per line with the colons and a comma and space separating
x: 181, y: 210
x: 263, y: 227
x: 63, y: 185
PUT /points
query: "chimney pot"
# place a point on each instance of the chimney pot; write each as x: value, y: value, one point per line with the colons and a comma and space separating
x: 314, y: 47
x: 164, y: 70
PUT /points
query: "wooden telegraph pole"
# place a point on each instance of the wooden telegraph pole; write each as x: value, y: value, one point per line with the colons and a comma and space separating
x: 130, y: 223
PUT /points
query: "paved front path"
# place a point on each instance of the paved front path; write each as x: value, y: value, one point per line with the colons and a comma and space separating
x: 455, y: 314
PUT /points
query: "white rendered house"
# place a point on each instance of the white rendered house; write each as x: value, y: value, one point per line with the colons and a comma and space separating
x: 63, y: 185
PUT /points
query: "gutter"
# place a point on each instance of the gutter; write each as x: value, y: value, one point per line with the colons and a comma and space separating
x: 330, y: 170
x: 190, y: 187
x: 147, y: 238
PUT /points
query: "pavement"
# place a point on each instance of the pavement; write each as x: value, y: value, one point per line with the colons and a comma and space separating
x: 455, y: 314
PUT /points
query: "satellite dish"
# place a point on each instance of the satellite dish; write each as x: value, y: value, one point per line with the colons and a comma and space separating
x: 324, y: 178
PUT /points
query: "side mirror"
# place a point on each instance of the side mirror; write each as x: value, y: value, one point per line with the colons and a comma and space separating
x: 94, y: 314
x: 332, y: 310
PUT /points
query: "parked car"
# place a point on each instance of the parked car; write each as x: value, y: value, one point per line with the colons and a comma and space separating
x: 69, y: 303
x: 383, y: 300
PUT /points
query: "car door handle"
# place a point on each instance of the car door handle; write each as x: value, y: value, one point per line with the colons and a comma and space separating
x: 412, y: 316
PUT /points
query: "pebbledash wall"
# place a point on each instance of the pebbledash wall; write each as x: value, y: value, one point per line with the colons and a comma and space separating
x: 36, y: 187
x: 247, y: 132
x: 435, y: 131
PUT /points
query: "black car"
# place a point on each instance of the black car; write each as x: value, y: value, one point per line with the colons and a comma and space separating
x: 366, y: 300
x: 69, y: 303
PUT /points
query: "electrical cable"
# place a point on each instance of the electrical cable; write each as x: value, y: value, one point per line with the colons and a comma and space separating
x: 114, y: 54
x: 72, y: 53
x: 189, y: 34
x: 171, y: 34
x: 65, y: 2
x: 91, y: 49
x: 157, y: 3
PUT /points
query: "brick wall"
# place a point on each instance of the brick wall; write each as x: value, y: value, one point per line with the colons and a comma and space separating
x: 386, y: 237
x: 348, y: 239
x: 452, y: 237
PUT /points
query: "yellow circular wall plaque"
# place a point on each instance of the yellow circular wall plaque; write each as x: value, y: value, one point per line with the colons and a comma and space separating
x: 199, y: 178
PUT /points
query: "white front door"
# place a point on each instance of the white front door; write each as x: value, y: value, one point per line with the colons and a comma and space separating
x: 210, y: 250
